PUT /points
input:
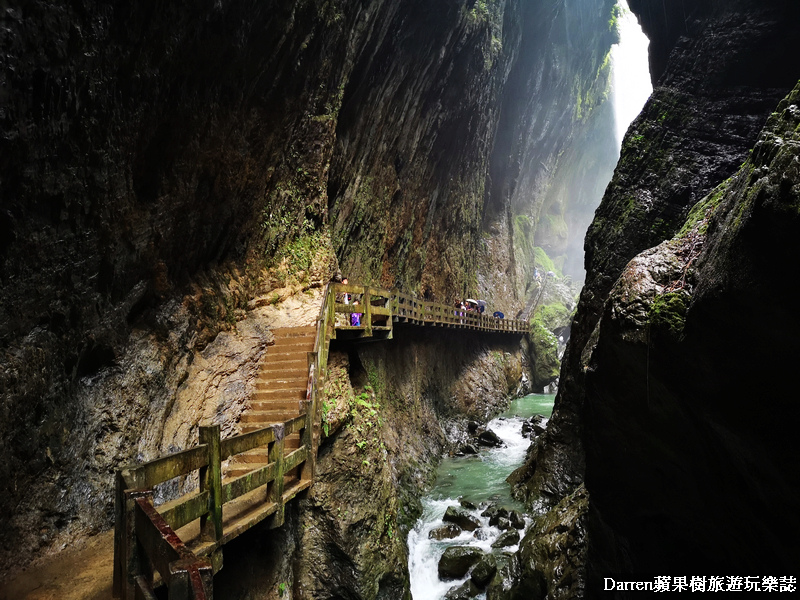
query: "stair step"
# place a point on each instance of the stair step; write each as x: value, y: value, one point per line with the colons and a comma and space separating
x: 281, y: 382
x: 248, y: 427
x: 259, y: 455
x: 278, y: 404
x: 280, y: 357
x: 291, y: 371
x: 264, y: 416
x: 305, y: 338
x: 294, y: 344
x: 298, y: 363
x: 288, y: 394
x: 242, y: 469
x: 293, y: 331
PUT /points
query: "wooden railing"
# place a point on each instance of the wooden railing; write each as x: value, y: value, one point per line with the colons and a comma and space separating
x: 147, y: 547
x: 145, y: 535
x: 380, y: 308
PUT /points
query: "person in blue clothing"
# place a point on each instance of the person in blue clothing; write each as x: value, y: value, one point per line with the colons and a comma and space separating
x: 355, y: 318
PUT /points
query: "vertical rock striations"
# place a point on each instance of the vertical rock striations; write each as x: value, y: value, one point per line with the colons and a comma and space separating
x: 690, y: 442
x: 653, y: 409
x: 705, y: 113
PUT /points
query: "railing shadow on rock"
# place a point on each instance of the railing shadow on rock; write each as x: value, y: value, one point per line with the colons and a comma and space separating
x: 179, y: 543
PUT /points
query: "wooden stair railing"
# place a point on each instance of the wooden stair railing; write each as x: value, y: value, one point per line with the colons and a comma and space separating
x: 181, y: 541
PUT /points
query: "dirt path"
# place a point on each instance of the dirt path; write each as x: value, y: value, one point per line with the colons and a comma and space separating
x: 80, y: 573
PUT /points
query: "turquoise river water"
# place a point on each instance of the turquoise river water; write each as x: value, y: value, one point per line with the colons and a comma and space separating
x: 480, y: 478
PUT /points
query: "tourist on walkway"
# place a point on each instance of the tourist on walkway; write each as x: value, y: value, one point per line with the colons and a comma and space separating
x: 355, y: 318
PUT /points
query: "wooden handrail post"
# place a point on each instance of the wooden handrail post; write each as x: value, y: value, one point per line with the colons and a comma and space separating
x: 132, y: 564
x: 179, y: 585
x: 368, y: 310
x: 308, y: 438
x: 211, y: 480
x: 331, y: 316
x: 276, y: 490
x: 120, y: 538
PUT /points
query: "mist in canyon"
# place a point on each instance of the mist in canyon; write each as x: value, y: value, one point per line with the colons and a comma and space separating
x: 176, y: 185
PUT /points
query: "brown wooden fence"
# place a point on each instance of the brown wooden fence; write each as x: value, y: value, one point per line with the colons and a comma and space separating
x: 179, y: 543
x: 380, y: 308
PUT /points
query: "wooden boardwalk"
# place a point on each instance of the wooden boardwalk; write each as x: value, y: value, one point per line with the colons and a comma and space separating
x: 179, y: 543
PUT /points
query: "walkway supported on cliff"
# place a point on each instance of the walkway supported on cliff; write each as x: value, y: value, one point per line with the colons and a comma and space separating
x: 179, y: 543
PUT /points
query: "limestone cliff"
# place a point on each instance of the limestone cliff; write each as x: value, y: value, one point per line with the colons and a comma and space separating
x: 710, y: 101
x: 677, y: 450
x: 653, y: 411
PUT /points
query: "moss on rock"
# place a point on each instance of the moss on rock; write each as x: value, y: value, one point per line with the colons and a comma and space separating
x: 544, y: 350
x: 668, y: 313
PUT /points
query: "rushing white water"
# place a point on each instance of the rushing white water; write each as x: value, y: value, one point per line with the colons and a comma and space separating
x: 631, y: 85
x: 478, y: 479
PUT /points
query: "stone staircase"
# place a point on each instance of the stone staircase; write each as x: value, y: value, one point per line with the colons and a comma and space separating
x: 280, y: 393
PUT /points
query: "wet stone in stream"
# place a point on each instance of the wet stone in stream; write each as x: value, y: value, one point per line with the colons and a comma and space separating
x: 470, y: 513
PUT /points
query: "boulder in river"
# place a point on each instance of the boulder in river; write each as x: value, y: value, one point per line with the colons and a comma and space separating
x: 467, y: 504
x: 495, y: 514
x: 481, y: 534
x: 508, y: 538
x: 467, y: 450
x: 489, y: 438
x: 446, y: 532
x: 484, y: 571
x: 534, y: 424
x: 463, y: 592
x: 460, y: 517
x: 517, y: 520
x: 457, y: 560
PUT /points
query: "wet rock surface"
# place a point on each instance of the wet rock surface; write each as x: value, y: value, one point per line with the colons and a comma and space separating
x: 717, y: 79
x: 457, y: 560
x: 461, y: 518
x: 706, y: 112
x: 490, y: 439
x: 445, y: 532
x: 552, y: 554
x: 484, y: 571
x: 711, y: 98
x: 508, y: 538
x: 683, y: 303
x: 501, y: 587
x: 463, y: 592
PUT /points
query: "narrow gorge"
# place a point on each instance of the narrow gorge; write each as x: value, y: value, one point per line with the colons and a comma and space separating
x: 181, y: 184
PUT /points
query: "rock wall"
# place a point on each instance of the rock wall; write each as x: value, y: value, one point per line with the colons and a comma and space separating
x: 168, y: 173
x: 703, y: 117
x: 650, y: 419
x: 678, y: 452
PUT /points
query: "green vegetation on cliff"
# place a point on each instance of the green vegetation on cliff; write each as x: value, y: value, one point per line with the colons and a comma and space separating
x: 553, y: 315
x: 668, y: 313
x: 544, y: 351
